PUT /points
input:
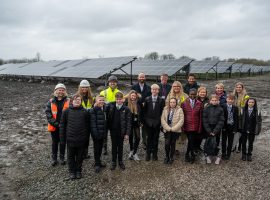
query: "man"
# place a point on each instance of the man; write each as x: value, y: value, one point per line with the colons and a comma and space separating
x: 165, y: 88
x: 152, y: 119
x: 109, y: 96
x: 191, y: 84
x: 142, y: 88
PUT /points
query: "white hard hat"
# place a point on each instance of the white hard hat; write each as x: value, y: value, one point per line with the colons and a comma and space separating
x: 84, y: 83
x: 60, y: 85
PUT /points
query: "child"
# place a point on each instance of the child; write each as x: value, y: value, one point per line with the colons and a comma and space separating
x: 119, y: 123
x: 251, y: 123
x: 98, y: 129
x: 172, y: 120
x: 213, y: 121
x: 192, y: 109
x: 135, y: 106
x: 74, y: 129
x: 230, y: 126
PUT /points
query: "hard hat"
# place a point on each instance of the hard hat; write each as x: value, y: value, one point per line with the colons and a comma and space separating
x: 112, y: 78
x: 84, y: 83
x: 60, y: 85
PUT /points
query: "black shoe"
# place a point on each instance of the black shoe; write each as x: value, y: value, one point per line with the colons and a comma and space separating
x: 97, y: 169
x: 54, y: 163
x: 155, y: 157
x: 171, y: 161
x: 249, y: 158
x: 244, y: 157
x: 187, y: 158
x: 113, y: 166
x: 223, y: 157
x: 62, y: 162
x: 227, y: 157
x: 147, y: 158
x: 177, y: 153
x: 122, y: 166
x: 79, y: 175
x: 102, y: 165
x: 192, y: 159
x: 72, y: 176
x: 166, y: 160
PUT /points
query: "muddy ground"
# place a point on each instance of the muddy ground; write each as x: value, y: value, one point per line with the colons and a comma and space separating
x: 25, y: 158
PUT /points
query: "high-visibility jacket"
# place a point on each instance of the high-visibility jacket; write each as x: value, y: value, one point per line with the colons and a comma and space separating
x: 109, y: 95
x: 88, y: 104
x: 54, y: 110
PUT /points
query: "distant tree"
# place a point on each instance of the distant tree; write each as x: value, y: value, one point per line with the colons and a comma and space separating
x: 152, y: 56
x: 2, y: 61
x: 38, y: 57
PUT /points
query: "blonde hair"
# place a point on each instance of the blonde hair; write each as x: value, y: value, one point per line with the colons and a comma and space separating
x: 176, y: 95
x: 89, y: 94
x: 214, y: 96
x: 132, y: 106
x: 219, y: 85
x: 55, y: 93
x: 155, y: 86
x: 239, y: 97
x: 200, y: 89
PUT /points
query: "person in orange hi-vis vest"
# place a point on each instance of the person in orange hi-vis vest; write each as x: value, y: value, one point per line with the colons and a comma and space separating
x: 55, y: 106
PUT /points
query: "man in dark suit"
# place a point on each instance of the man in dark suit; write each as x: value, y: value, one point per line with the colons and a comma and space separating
x: 144, y: 90
x: 164, y: 87
x: 153, y: 107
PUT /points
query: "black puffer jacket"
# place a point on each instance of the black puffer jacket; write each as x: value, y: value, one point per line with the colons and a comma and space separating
x: 98, y: 123
x: 125, y: 118
x: 213, y: 119
x: 74, y: 126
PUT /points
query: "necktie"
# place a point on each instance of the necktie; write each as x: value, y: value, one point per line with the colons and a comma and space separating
x: 154, y: 102
x: 249, y: 112
x: 163, y: 90
x: 230, y: 115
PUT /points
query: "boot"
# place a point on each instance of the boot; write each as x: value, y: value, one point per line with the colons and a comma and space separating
x: 78, y: 175
x: 62, y: 160
x: 249, y: 158
x: 54, y: 160
x: 192, y: 159
x: 187, y: 158
x: 166, y: 160
x: 148, y: 157
x: 72, y: 176
x: 113, y: 166
x: 121, y: 165
x: 244, y: 157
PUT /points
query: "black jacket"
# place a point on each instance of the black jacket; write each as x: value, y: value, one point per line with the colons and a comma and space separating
x: 145, y: 92
x: 252, y: 123
x: 213, y: 119
x: 98, y: 123
x: 136, y: 120
x: 235, y: 117
x: 187, y: 87
x: 125, y: 118
x: 152, y: 117
x: 167, y: 89
x: 74, y: 126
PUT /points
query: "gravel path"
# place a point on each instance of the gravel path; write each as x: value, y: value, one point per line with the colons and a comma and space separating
x: 25, y: 158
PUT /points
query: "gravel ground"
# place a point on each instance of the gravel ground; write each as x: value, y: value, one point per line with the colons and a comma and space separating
x: 25, y: 158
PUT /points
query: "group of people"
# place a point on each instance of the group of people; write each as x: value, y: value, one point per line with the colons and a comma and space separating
x: 181, y: 113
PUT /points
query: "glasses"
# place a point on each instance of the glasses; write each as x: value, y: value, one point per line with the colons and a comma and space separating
x: 177, y: 86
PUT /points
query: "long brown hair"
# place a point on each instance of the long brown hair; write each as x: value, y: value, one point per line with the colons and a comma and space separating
x: 89, y: 94
x: 133, y: 106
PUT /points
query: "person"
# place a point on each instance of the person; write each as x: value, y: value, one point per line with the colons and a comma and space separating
x: 191, y: 83
x: 192, y: 109
x: 98, y: 126
x: 109, y: 96
x: 241, y: 97
x: 230, y: 126
x: 74, y: 129
x: 87, y: 102
x: 251, y: 126
x: 172, y: 120
x: 202, y: 96
x: 144, y: 90
x: 53, y: 111
x: 119, y: 123
x: 221, y: 93
x: 165, y: 88
x: 213, y: 122
x: 178, y: 93
x: 135, y: 106
x: 152, y: 110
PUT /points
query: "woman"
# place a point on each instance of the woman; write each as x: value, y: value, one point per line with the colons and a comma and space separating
x: 87, y: 102
x: 172, y: 120
x: 132, y: 101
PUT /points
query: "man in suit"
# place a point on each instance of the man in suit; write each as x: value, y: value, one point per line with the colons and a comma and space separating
x: 165, y: 88
x: 153, y: 107
x: 144, y: 90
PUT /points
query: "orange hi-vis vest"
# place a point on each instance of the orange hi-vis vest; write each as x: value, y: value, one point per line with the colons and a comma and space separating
x: 51, y: 128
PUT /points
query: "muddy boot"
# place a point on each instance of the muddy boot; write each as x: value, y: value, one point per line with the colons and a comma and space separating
x: 54, y: 160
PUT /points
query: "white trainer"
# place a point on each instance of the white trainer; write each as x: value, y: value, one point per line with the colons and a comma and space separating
x: 130, y: 156
x: 208, y: 160
x: 217, y: 160
x: 136, y: 157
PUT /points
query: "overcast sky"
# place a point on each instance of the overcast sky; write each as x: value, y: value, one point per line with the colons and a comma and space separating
x: 72, y: 29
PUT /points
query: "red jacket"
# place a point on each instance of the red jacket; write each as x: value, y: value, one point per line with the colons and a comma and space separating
x: 192, y: 117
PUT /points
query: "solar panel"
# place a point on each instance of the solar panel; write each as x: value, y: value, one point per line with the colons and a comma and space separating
x: 11, y: 68
x: 246, y: 67
x: 202, y: 66
x: 236, y: 67
x: 223, y: 67
x: 155, y: 67
x: 95, y: 68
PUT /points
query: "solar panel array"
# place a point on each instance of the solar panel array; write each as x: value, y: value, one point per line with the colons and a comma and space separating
x: 155, y: 67
x: 246, y: 68
x: 223, y: 67
x: 236, y: 67
x: 202, y: 66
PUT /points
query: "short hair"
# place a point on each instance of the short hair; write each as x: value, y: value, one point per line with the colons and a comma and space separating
x: 201, y: 88
x: 193, y: 90
x: 219, y: 85
x: 190, y: 74
x: 75, y: 96
x: 154, y: 86
x: 214, y: 96
x: 230, y: 96
x: 119, y: 95
x: 164, y: 74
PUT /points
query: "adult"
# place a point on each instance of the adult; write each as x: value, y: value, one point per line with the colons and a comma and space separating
x: 87, y: 102
x: 109, y: 97
x: 191, y: 83
x: 165, y: 88
x: 54, y: 108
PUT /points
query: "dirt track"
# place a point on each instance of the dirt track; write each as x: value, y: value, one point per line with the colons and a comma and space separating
x: 25, y: 157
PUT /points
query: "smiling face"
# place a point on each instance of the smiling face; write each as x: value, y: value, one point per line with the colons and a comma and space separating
x: 133, y: 96
x: 176, y: 88
x: 100, y: 101
x: 219, y: 89
x: 251, y: 103
x: 192, y: 94
x: 113, y: 84
x: 84, y: 90
x: 60, y: 92
x: 202, y: 93
x: 239, y: 88
x: 214, y: 101
x: 191, y: 80
x: 164, y: 79
x: 141, y: 78
x: 119, y: 101
x: 173, y: 103
x: 77, y: 101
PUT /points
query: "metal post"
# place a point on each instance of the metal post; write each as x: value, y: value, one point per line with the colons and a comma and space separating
x: 131, y: 82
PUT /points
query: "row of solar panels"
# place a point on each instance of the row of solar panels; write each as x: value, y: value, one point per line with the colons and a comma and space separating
x: 98, y: 67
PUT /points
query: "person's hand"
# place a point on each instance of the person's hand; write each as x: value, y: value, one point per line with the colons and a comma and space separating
x: 212, y: 134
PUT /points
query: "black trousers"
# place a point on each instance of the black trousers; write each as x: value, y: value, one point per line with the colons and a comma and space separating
x: 134, y: 139
x: 55, y: 143
x: 117, y: 146
x: 191, y: 140
x: 98, y: 144
x: 152, y: 139
x: 105, y: 141
x: 227, y: 140
x: 75, y: 158
x: 86, y: 145
x: 250, y: 138
x: 170, y: 140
